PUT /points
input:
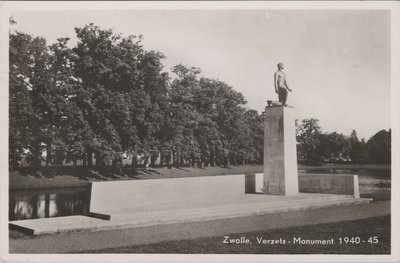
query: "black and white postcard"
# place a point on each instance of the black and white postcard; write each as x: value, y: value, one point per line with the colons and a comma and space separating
x: 199, y: 131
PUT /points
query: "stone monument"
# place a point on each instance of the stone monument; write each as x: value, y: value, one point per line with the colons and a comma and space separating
x: 280, y: 155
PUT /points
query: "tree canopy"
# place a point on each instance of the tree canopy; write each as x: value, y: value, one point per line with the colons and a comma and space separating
x: 108, y: 97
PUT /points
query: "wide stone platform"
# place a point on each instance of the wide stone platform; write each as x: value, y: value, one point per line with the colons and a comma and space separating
x: 134, y: 204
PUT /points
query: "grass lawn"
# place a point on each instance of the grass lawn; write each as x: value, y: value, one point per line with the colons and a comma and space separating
x: 346, y: 166
x: 364, y: 229
x: 80, y: 176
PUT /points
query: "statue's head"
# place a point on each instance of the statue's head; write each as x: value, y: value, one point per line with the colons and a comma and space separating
x: 280, y: 66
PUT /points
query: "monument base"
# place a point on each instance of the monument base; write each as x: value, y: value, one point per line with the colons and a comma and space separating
x: 280, y: 154
x: 212, y: 197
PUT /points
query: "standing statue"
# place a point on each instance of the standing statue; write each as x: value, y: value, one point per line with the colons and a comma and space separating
x: 281, y: 86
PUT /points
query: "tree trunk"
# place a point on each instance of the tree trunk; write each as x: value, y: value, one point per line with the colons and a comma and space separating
x: 48, y: 154
x: 181, y: 160
x: 226, y: 158
x: 170, y: 159
x: 84, y: 160
x: 36, y: 154
x: 47, y: 205
x: 193, y: 160
x: 89, y: 158
x: 174, y: 158
x: 152, y: 160
x: 212, y: 157
x: 117, y: 164
x: 178, y: 159
x: 146, y: 161
x: 13, y: 159
x: 34, y: 207
x: 162, y: 159
x: 99, y: 160
x: 134, y: 163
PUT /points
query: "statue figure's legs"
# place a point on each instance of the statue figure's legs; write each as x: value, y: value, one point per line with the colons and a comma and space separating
x: 282, y: 93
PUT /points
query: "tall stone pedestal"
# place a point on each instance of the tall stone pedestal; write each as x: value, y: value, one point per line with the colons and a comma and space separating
x: 280, y: 156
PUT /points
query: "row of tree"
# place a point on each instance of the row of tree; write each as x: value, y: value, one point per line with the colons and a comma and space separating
x: 107, y: 97
x: 315, y: 146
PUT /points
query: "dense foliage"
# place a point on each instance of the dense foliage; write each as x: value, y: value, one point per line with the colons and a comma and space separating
x: 108, y: 99
x: 315, y: 146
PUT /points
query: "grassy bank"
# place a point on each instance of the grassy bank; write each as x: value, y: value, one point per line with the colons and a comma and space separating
x: 378, y: 227
x: 80, y: 176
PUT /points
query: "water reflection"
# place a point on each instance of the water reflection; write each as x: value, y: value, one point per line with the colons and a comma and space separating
x: 31, y: 204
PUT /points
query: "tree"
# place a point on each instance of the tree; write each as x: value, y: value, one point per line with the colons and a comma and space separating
x: 182, y: 117
x: 112, y: 96
x: 20, y: 101
x: 308, y: 140
x: 255, y: 122
x: 333, y: 146
x: 379, y: 147
x: 65, y: 124
x: 356, y: 148
x: 228, y: 113
x: 155, y: 84
x: 31, y: 98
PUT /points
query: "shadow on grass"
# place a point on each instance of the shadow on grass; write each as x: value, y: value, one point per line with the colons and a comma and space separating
x: 182, y: 169
x: 148, y: 171
x: 83, y: 173
x: 111, y: 173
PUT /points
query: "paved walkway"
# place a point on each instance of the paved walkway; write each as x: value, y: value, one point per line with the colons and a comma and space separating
x: 87, y: 240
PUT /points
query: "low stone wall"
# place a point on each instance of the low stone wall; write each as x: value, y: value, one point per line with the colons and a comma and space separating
x: 145, y: 195
x: 345, y: 184
x: 140, y: 195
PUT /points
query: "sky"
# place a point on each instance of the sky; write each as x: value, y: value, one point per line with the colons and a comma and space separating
x: 337, y: 62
